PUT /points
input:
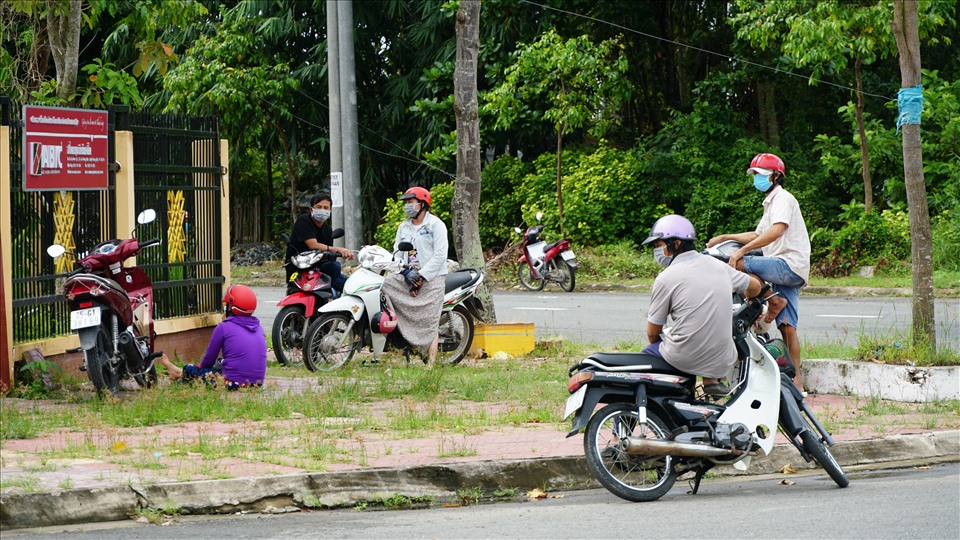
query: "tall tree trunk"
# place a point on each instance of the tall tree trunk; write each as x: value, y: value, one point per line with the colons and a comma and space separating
x: 63, y: 28
x: 769, y: 124
x: 559, y: 175
x: 864, y: 155
x: 905, y: 29
x: 465, y: 208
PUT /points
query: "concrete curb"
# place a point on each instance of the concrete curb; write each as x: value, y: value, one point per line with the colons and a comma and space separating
x: 893, y: 382
x: 437, y: 482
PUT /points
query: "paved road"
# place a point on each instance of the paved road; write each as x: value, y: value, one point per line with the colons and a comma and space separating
x: 896, y: 503
x: 609, y: 318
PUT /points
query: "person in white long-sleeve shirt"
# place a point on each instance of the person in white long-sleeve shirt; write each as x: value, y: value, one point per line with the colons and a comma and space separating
x: 417, y: 294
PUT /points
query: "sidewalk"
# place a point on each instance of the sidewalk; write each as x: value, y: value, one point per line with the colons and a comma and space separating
x: 47, y: 492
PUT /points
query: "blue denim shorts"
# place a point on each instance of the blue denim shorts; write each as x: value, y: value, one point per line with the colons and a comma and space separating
x: 785, y: 282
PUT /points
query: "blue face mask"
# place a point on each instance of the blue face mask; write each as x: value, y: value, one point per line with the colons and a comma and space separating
x: 762, y: 182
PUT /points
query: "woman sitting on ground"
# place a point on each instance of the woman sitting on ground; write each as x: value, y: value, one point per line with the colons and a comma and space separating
x: 241, y: 341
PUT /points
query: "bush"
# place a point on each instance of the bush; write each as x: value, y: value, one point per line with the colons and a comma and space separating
x: 871, y: 239
x: 946, y: 240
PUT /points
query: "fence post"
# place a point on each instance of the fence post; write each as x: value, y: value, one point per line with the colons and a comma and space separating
x: 124, y: 179
x: 225, y: 211
x: 6, y: 257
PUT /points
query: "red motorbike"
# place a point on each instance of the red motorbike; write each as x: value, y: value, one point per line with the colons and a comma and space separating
x: 542, y: 262
x: 308, y: 289
x: 112, y: 311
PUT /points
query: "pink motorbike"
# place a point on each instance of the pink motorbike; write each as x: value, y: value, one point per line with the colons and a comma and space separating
x: 542, y: 262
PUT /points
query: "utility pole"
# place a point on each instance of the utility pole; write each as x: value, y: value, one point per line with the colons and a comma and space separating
x: 348, y: 126
x: 333, y: 92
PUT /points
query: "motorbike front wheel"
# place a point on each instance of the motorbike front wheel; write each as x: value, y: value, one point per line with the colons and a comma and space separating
x: 456, y: 335
x: 563, y: 273
x: 818, y: 449
x: 98, y: 364
x: 331, y: 342
x: 628, y: 476
x: 525, y: 275
x: 287, y: 338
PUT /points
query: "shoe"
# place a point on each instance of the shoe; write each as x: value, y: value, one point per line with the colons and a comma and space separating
x: 716, y: 389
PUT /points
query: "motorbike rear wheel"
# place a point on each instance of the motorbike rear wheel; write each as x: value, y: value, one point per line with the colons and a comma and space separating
x: 526, y: 278
x: 818, y: 449
x: 329, y: 344
x: 98, y: 364
x: 632, y: 477
x: 566, y: 276
x: 456, y: 335
x: 289, y: 328
x: 148, y: 379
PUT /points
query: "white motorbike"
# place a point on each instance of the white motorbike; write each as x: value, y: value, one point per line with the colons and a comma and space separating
x: 656, y: 426
x: 361, y: 317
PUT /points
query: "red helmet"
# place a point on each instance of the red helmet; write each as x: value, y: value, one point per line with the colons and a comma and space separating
x: 766, y: 164
x: 240, y: 300
x: 419, y: 193
x: 384, y: 322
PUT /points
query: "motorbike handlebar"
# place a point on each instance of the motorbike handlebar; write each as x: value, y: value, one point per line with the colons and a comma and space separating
x: 149, y: 243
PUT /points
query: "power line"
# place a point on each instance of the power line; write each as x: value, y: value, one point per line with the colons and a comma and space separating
x: 725, y: 56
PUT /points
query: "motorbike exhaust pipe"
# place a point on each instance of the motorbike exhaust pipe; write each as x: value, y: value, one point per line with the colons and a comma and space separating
x: 663, y: 447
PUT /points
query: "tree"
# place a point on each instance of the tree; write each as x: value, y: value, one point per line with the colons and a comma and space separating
x: 465, y: 207
x: 63, y: 27
x: 906, y: 30
x: 582, y: 84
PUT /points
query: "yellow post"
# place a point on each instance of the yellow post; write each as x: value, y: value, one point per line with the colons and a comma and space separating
x: 124, y: 191
x: 225, y: 212
x: 6, y: 252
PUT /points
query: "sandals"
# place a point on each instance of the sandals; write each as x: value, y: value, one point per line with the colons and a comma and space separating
x: 716, y: 389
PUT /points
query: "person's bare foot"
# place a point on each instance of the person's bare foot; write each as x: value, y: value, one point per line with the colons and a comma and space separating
x: 799, y: 384
x: 774, y: 306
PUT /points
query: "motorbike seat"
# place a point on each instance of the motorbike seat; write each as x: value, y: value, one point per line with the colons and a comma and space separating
x: 458, y: 279
x: 656, y: 363
x: 550, y: 246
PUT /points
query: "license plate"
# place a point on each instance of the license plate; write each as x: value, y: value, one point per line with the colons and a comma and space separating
x: 568, y: 255
x: 575, y: 401
x: 83, y: 318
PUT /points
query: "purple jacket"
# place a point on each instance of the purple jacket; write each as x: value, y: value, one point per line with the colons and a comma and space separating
x: 244, y: 347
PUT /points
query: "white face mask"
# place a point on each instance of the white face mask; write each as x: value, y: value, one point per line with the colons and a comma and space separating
x: 320, y: 214
x: 411, y: 209
x: 662, y: 259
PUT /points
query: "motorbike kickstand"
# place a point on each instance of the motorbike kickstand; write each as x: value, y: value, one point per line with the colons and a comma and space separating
x: 695, y: 482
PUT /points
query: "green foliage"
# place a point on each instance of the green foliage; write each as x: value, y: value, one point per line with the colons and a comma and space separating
x: 499, y: 207
x: 946, y: 240
x: 108, y: 85
x: 581, y: 83
x: 866, y: 239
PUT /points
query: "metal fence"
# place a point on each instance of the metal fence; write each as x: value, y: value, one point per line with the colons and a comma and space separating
x: 178, y: 174
x: 39, y: 309
x: 177, y: 164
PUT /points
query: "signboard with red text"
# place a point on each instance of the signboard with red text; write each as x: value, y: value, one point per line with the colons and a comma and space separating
x: 64, y: 149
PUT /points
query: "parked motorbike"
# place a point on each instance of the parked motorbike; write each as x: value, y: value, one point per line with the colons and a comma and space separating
x: 540, y: 262
x: 362, y: 318
x: 112, y: 311
x: 655, y: 427
x: 308, y: 289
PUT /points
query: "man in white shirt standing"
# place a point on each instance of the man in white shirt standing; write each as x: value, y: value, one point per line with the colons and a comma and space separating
x: 782, y: 236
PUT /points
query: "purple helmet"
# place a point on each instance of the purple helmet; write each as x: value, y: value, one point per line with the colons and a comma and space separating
x: 670, y: 227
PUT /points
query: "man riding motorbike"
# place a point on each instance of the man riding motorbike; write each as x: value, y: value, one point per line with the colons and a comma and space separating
x: 695, y: 291
x: 312, y: 230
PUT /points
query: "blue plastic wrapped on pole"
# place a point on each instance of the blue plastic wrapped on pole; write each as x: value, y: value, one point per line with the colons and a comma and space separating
x: 910, y: 105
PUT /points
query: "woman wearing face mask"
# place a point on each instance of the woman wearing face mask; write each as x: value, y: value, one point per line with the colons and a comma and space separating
x: 313, y: 231
x: 417, y: 294
x: 695, y: 291
x: 782, y: 235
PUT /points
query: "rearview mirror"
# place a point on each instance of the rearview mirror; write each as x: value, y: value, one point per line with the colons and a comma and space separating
x: 518, y: 230
x: 147, y: 216
x: 404, y: 246
x: 56, y: 250
x: 539, y: 215
x: 338, y: 233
